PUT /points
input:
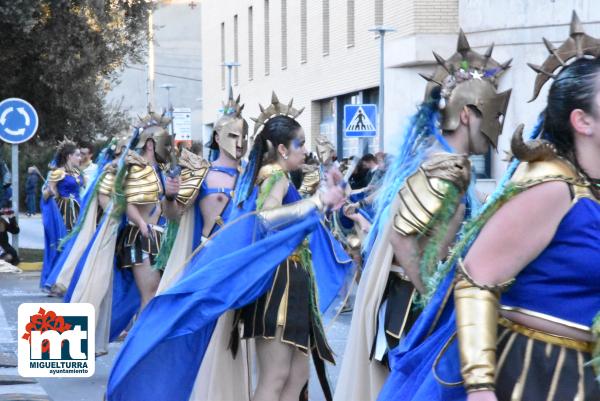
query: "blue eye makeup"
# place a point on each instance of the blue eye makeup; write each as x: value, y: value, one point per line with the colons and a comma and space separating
x: 297, y: 143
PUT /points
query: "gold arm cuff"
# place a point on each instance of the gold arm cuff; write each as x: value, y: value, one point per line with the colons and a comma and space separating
x: 476, y: 326
x: 288, y: 214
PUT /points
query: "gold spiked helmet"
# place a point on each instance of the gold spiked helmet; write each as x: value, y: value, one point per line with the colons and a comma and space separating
x: 470, y: 78
x: 231, y: 129
x: 578, y: 45
x: 155, y: 126
x: 325, y: 149
x: 276, y: 108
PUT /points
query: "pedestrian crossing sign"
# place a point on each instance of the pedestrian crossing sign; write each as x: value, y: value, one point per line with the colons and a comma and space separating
x: 360, y: 120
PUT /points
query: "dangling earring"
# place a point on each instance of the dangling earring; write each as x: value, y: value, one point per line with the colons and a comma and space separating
x: 285, y: 157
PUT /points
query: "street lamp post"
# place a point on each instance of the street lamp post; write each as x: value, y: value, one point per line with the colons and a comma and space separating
x: 168, y: 87
x: 230, y: 65
x: 381, y: 30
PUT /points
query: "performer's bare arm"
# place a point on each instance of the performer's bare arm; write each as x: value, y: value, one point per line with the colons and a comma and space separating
x: 50, y: 190
x: 408, y: 255
x: 134, y: 214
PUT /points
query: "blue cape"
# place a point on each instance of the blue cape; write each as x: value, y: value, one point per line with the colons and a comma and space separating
x: 54, y: 231
x: 163, y: 352
x: 65, y: 249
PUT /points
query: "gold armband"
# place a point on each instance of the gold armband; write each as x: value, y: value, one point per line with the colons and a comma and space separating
x: 477, y: 326
x: 287, y: 214
x: 423, y: 194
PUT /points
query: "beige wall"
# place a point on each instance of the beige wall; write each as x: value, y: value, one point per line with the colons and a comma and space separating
x: 516, y: 27
x: 345, y: 69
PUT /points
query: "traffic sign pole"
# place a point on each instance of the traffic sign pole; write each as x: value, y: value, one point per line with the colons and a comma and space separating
x: 18, y: 124
x: 15, y: 188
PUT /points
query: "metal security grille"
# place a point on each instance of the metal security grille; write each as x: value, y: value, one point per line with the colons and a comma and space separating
x: 222, y: 55
x: 303, y: 29
x: 350, y: 23
x: 236, y: 56
x: 267, y: 40
x: 378, y: 12
x: 284, y: 58
x: 325, y: 27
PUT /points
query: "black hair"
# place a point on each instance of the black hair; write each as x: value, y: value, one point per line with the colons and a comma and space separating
x: 369, y: 157
x: 213, y: 144
x: 87, y: 145
x: 63, y: 153
x: 279, y: 130
x: 575, y: 87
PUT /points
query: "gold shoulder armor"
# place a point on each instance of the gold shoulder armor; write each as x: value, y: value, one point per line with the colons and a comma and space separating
x: 107, y: 183
x: 142, y: 185
x: 193, y: 173
x: 422, y: 195
x: 530, y: 174
x: 191, y: 160
x: 310, y: 182
x: 133, y: 158
x: 58, y: 174
x: 267, y: 171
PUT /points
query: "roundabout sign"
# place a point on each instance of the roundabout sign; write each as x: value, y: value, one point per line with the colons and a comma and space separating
x: 18, y: 120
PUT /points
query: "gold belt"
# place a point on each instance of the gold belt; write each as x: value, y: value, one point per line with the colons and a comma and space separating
x: 579, y: 345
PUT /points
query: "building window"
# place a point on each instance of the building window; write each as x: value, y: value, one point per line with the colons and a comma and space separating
x: 250, y: 44
x: 327, y: 125
x: 303, y: 28
x: 267, y: 40
x: 378, y: 12
x: 283, y: 34
x: 236, y: 57
x: 325, y: 27
x: 350, y: 23
x: 482, y: 164
x: 222, y: 55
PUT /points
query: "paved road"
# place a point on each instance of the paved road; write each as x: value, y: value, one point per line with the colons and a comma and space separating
x: 19, y: 288
x: 32, y: 232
